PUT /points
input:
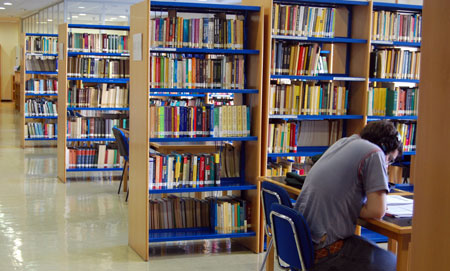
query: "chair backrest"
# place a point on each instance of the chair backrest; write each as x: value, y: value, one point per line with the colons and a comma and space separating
x: 292, y: 237
x: 272, y: 193
x: 122, y: 142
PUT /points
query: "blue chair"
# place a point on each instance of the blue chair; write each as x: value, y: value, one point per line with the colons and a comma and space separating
x: 270, y: 194
x: 122, y: 143
x: 293, y: 243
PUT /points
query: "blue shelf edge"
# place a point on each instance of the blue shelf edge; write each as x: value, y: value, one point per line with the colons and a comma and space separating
x: 41, y: 94
x: 95, y: 26
x: 89, y: 139
x: 220, y: 7
x: 96, y: 54
x: 301, y: 151
x: 92, y: 169
x: 409, y: 153
x: 40, y: 139
x: 318, y: 78
x: 391, y: 80
x: 176, y: 95
x: 225, y: 186
x: 100, y: 80
x: 41, y: 117
x: 392, y: 6
x: 204, y: 90
x: 370, y: 118
x: 329, y: 2
x: 395, y: 43
x: 373, y: 236
x: 99, y: 108
x: 204, y: 51
x: 314, y: 117
x: 169, y: 235
x: 204, y: 139
x: 319, y: 39
x: 39, y: 72
x: 41, y: 35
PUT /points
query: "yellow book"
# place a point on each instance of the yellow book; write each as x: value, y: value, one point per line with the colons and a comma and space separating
x: 305, y: 101
x: 287, y: 137
x: 388, y: 64
x: 287, y: 103
x: 291, y: 60
x: 194, y: 170
x: 271, y: 134
x: 275, y: 20
x: 239, y: 128
x: 375, y: 25
x: 300, y: 98
x: 296, y: 101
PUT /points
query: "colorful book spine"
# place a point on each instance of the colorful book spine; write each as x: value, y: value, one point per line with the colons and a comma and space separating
x: 98, y: 43
x: 40, y: 107
x: 40, y: 130
x: 41, y: 86
x: 393, y: 102
x: 98, y: 67
x: 41, y: 45
x: 395, y: 64
x: 97, y: 156
x: 97, y: 127
x: 396, y: 26
x: 103, y: 95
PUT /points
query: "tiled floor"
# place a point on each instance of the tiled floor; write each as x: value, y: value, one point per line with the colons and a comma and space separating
x: 81, y: 225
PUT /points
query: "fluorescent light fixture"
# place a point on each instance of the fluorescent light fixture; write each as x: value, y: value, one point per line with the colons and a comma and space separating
x: 74, y: 16
x: 82, y: 14
x: 2, y: 8
x: 49, y: 20
x: 114, y: 18
x: 7, y: 4
x: 80, y: 7
x: 123, y: 17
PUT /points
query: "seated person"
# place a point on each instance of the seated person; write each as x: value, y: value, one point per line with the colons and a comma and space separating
x: 349, y: 181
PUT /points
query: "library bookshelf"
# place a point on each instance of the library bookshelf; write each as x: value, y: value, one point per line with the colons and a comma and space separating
x: 139, y: 233
x: 94, y: 48
x: 349, y: 57
x: 29, y: 50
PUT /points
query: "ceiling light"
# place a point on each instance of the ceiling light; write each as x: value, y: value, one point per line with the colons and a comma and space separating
x: 49, y: 20
x: 80, y: 7
x: 2, y: 8
x: 7, y: 4
x: 82, y: 14
x: 74, y: 16
x: 114, y: 18
x: 123, y: 17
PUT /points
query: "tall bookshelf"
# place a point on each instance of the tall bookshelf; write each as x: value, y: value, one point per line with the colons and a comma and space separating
x: 410, y: 44
x: 27, y: 72
x: 65, y: 81
x: 139, y: 235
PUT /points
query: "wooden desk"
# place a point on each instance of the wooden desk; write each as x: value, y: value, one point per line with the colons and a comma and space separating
x: 400, y: 234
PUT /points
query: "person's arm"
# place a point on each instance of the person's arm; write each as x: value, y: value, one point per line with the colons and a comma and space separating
x: 375, y: 206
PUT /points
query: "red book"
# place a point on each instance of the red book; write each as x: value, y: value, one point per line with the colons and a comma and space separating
x: 300, y: 60
x: 160, y: 172
x: 158, y: 72
x: 203, y: 122
x: 202, y: 171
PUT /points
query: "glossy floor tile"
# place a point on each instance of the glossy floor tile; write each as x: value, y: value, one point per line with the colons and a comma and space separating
x: 81, y: 225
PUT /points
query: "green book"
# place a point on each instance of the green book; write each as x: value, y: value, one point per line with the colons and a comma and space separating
x: 391, y: 102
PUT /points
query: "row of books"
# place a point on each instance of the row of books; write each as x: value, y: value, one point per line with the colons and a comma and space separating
x: 178, y: 101
x: 278, y: 169
x: 184, y: 170
x: 98, y: 67
x: 407, y: 132
x: 320, y: 133
x: 103, y: 95
x: 42, y: 86
x: 297, y: 59
x: 212, y: 33
x: 299, y: 164
x: 41, y: 63
x: 40, y: 107
x: 198, y: 71
x: 296, y: 20
x: 97, y: 156
x: 395, y: 63
x: 393, y: 102
x: 41, y: 130
x: 41, y: 45
x: 224, y: 215
x: 305, y: 98
x: 97, y: 43
x: 283, y: 137
x: 199, y: 121
x: 397, y: 26
x: 80, y: 127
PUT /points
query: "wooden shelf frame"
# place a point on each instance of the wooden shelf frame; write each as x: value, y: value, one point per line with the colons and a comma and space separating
x: 64, y: 54
x: 24, y: 76
x: 138, y: 205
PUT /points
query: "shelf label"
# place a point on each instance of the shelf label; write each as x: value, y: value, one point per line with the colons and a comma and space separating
x: 348, y: 79
x: 384, y: 42
x: 61, y: 50
x: 137, y: 47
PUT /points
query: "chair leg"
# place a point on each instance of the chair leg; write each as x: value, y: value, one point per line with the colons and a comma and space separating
x: 267, y: 254
x: 125, y: 177
x: 128, y: 192
x: 121, y: 180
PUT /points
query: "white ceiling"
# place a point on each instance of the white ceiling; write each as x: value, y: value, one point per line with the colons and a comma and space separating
x: 22, y: 8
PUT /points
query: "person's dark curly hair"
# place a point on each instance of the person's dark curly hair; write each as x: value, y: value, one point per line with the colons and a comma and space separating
x: 384, y: 134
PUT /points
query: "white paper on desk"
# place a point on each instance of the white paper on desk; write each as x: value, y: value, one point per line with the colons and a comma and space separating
x: 397, y: 200
x: 403, y: 210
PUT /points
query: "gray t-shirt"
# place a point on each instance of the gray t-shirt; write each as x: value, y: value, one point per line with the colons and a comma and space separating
x: 336, y: 188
